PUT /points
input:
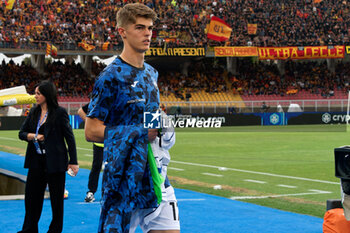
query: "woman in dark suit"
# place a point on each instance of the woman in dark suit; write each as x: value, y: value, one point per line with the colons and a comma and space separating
x: 46, y: 129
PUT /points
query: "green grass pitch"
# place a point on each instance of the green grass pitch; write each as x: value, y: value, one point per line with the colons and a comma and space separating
x: 289, y: 168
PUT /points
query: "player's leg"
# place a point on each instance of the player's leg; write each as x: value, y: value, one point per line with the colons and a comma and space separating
x: 165, y: 218
x: 96, y: 168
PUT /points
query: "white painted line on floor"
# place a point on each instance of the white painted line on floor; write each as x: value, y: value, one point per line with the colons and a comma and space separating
x: 319, y: 191
x: 211, y: 174
x: 287, y: 186
x: 258, y: 173
x: 278, y: 195
x: 176, y: 169
x: 255, y: 181
x: 79, y: 148
x: 10, y: 139
x: 88, y: 155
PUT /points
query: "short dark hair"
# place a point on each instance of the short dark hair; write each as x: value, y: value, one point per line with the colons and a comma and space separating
x: 129, y: 13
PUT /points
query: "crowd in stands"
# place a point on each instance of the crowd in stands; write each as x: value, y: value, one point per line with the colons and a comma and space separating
x: 203, y: 75
x: 182, y: 23
x: 312, y: 77
x: 70, y: 79
x: 208, y: 75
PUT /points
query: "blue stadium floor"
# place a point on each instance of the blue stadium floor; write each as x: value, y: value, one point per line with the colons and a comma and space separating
x: 198, y: 212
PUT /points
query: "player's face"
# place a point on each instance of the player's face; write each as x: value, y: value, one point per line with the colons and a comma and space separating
x: 138, y: 35
x: 40, y: 99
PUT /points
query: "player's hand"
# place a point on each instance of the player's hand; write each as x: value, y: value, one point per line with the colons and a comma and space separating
x: 40, y: 137
x: 74, y: 167
x: 152, y: 134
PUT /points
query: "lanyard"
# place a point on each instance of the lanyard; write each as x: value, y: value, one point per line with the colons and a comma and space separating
x: 40, y: 124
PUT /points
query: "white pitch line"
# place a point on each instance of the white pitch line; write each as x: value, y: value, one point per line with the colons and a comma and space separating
x: 88, y: 155
x: 176, y: 169
x: 279, y: 195
x: 287, y: 186
x: 258, y: 173
x: 10, y: 139
x: 319, y: 191
x: 255, y: 181
x: 211, y: 174
x: 79, y: 148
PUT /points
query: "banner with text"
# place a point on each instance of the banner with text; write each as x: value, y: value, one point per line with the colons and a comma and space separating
x: 179, y: 52
x: 307, y: 52
x: 243, y: 51
x: 347, y: 49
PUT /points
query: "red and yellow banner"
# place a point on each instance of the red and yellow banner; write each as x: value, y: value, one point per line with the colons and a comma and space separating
x: 179, y: 52
x: 307, y: 52
x: 51, y: 50
x: 252, y: 28
x: 243, y: 51
x: 105, y: 46
x: 86, y: 46
x: 218, y: 30
x: 347, y: 49
x: 9, y: 4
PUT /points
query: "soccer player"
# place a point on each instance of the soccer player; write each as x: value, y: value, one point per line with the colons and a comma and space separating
x: 124, y: 91
x: 96, y: 162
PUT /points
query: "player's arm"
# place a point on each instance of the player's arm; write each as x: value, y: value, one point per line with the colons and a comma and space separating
x: 94, y: 130
x: 82, y: 114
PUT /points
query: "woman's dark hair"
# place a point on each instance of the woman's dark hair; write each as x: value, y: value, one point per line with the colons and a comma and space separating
x: 47, y: 89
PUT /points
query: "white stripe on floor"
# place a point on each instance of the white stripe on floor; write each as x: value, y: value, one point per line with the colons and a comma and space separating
x: 176, y: 169
x: 279, y: 195
x: 211, y: 174
x: 79, y: 148
x: 287, y: 186
x: 258, y: 173
x: 255, y: 181
x: 10, y: 139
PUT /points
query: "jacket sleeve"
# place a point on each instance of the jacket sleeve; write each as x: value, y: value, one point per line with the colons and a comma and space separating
x: 25, y: 128
x: 69, y: 137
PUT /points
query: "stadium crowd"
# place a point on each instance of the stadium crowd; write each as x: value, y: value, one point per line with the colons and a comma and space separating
x: 209, y: 75
x: 32, y: 23
x: 312, y: 77
x: 70, y: 79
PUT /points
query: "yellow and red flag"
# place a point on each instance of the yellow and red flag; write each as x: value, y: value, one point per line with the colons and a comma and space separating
x: 219, y: 30
x: 86, y: 46
x: 105, y: 46
x: 9, y: 4
x: 252, y: 28
x: 51, y: 50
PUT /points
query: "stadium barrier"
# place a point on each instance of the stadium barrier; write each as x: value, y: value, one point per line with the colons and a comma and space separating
x: 227, y: 119
x: 190, y: 107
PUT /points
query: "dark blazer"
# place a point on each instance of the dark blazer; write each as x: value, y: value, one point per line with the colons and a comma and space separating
x: 56, y: 132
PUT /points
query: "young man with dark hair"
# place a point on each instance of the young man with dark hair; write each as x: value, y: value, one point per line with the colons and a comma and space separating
x: 123, y: 93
